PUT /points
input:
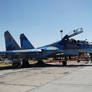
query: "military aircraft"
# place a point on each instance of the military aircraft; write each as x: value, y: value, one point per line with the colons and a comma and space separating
x: 66, y: 45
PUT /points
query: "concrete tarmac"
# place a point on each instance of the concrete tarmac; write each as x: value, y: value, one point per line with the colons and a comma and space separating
x: 78, y: 81
x: 55, y: 77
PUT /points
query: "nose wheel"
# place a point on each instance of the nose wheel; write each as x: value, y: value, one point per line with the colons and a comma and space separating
x: 64, y: 63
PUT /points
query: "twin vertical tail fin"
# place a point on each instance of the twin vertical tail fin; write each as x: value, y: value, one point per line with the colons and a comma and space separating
x: 25, y: 43
x: 10, y: 43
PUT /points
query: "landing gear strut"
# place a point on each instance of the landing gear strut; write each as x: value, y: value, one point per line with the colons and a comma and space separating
x: 91, y: 57
x: 25, y: 63
x: 16, y: 64
x: 40, y: 63
x: 65, y: 61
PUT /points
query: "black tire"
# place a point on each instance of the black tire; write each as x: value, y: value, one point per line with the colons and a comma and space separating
x: 64, y: 63
x: 25, y: 63
x: 40, y: 63
x: 16, y: 65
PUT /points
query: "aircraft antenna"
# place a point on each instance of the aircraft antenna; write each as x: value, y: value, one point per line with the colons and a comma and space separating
x: 61, y: 31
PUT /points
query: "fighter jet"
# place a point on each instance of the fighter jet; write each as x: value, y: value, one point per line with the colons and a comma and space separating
x: 66, y: 45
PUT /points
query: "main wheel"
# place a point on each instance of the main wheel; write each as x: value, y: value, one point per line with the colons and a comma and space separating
x: 64, y: 63
x: 40, y: 63
x: 25, y: 63
x: 16, y: 64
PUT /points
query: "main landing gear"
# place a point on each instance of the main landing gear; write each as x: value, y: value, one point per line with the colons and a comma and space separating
x: 17, y: 63
x: 40, y: 63
x: 91, y: 57
x: 64, y: 63
x: 25, y: 63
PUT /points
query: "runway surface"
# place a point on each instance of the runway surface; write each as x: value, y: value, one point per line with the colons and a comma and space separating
x: 80, y: 81
x: 35, y: 79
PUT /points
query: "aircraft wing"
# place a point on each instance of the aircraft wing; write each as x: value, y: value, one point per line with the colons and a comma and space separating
x: 37, y: 54
x: 86, y: 50
x: 44, y: 51
x: 48, y: 48
x: 21, y: 51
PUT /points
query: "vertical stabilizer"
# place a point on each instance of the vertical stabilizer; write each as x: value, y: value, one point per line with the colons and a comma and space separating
x: 25, y: 43
x: 10, y: 43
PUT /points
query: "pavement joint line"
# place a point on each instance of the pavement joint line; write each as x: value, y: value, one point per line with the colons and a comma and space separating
x: 42, y: 85
x: 2, y: 83
x: 13, y: 72
x: 69, y: 84
x: 16, y: 71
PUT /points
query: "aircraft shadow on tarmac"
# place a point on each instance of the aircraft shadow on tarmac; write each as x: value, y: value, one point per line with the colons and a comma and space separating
x: 45, y: 66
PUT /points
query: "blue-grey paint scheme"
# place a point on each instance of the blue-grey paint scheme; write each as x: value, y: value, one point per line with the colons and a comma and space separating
x: 25, y: 43
x: 66, y: 45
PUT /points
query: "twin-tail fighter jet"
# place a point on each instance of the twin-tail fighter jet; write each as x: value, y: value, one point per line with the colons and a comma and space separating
x: 66, y: 46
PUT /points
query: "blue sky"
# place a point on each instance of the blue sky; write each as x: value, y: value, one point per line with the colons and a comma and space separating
x: 41, y: 20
